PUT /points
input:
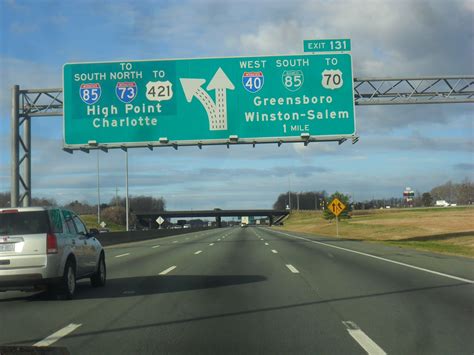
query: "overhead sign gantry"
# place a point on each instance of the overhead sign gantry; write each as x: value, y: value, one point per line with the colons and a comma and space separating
x: 255, y: 81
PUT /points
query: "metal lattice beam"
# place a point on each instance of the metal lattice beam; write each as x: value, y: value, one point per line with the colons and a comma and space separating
x: 41, y: 102
x: 424, y: 90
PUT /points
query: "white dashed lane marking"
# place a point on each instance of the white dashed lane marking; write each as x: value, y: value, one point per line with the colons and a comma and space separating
x: 292, y: 269
x: 198, y: 252
x: 211, y: 244
x: 122, y: 255
x: 164, y: 272
x: 155, y: 246
x: 364, y: 341
x: 53, y: 338
x: 274, y: 251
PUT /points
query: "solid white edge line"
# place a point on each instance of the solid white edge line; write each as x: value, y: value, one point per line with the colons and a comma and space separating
x: 292, y: 269
x: 198, y: 252
x: 121, y: 255
x: 53, y: 338
x: 362, y: 339
x: 155, y: 246
x: 164, y: 272
x: 274, y: 251
x: 383, y: 259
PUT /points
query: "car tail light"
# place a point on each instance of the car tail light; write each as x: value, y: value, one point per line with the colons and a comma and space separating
x: 9, y: 211
x: 51, y: 244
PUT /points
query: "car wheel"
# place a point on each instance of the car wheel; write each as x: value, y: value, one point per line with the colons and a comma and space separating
x: 100, y: 276
x: 67, y: 285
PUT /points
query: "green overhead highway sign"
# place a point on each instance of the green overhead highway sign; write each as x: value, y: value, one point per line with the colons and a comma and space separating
x: 209, y: 101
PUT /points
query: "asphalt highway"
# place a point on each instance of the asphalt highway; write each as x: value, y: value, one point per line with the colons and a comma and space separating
x: 256, y: 291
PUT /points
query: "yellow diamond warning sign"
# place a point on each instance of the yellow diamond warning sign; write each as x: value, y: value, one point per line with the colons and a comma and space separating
x: 336, y: 207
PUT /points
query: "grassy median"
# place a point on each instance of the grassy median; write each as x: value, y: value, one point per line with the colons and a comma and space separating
x: 443, y: 230
x: 91, y: 222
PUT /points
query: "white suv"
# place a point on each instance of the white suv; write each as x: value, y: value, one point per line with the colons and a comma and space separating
x: 48, y: 247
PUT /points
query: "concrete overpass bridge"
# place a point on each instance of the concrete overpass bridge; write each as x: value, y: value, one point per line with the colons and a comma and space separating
x: 149, y: 218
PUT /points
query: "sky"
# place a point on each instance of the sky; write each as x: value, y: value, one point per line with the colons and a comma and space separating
x: 420, y: 146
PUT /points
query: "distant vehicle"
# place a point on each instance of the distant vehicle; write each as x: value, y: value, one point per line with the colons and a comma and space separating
x: 243, y: 225
x: 442, y: 203
x: 48, y: 248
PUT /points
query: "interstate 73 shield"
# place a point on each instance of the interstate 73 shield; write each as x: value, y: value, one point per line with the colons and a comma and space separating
x: 126, y: 91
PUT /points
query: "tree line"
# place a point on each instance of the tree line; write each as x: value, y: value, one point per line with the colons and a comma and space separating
x: 455, y: 193
x: 114, y: 211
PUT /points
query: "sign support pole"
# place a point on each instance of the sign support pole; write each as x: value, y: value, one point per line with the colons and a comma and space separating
x: 15, y: 147
x: 98, y: 189
x: 337, y: 226
x: 126, y: 189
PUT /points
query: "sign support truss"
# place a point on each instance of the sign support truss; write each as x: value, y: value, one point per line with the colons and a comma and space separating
x: 423, y: 90
x: 367, y: 91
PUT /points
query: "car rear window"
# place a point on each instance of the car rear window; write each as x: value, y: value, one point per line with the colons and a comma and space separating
x: 24, y: 223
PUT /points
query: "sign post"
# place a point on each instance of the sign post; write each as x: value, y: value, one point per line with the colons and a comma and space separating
x: 265, y: 99
x: 336, y: 207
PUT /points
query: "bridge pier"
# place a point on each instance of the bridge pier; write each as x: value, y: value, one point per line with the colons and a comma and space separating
x: 270, y: 220
x: 218, y: 222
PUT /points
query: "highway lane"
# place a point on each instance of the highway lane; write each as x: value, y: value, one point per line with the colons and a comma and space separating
x: 22, y: 315
x: 407, y: 310
x: 254, y: 290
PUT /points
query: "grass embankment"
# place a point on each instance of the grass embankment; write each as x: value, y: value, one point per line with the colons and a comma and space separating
x: 444, y: 230
x: 91, y: 222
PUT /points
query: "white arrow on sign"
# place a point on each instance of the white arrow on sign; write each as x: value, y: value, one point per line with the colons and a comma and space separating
x: 216, y: 111
x: 160, y: 220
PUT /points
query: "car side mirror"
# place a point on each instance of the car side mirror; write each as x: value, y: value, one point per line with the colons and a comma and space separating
x: 93, y: 232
